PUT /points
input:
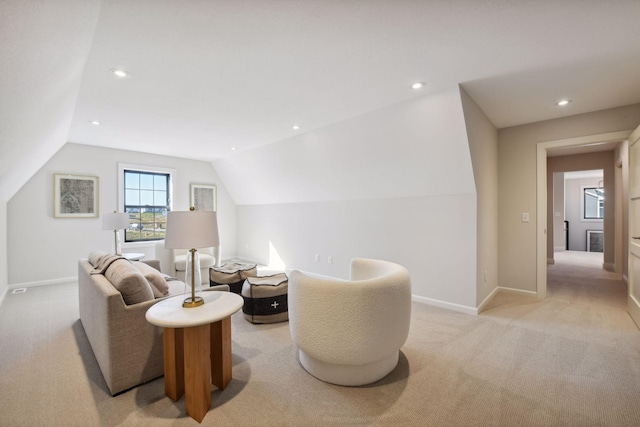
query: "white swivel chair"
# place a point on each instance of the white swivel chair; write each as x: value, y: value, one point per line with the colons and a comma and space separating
x: 349, y: 332
x: 174, y: 261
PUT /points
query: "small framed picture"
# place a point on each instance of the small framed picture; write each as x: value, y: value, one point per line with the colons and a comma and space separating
x: 203, y: 197
x: 75, y: 196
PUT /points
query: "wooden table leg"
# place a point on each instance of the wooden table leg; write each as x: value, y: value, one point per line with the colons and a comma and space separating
x: 221, y: 366
x: 197, y: 369
x: 173, y: 363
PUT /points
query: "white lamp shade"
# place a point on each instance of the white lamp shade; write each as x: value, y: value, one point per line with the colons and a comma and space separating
x: 115, y: 221
x: 191, y: 229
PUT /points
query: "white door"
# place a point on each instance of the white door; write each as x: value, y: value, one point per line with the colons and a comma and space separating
x: 634, y: 226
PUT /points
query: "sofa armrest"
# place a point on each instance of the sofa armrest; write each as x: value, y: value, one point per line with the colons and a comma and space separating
x: 128, y: 348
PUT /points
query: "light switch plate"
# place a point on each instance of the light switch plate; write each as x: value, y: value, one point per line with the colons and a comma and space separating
x: 525, y: 216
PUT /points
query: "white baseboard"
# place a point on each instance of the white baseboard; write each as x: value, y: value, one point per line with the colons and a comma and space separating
x: 488, y: 299
x: 447, y: 305
x: 43, y: 282
x: 498, y: 289
x: 517, y: 291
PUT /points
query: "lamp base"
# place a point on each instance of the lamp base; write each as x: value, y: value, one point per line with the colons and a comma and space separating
x: 193, y: 302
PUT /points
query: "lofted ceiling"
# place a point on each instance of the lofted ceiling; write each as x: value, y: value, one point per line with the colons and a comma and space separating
x: 211, y: 75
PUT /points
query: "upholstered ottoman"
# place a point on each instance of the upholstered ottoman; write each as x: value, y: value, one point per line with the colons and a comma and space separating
x: 232, y: 274
x: 265, y: 299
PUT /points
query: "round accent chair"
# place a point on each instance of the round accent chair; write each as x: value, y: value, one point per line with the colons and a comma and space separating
x: 349, y: 332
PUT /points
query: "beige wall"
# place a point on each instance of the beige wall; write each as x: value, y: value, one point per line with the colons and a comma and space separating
x: 558, y: 207
x: 483, y: 146
x: 4, y: 277
x: 517, y: 147
x: 591, y: 161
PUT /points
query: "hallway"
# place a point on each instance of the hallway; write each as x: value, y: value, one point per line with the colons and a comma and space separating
x: 578, y: 277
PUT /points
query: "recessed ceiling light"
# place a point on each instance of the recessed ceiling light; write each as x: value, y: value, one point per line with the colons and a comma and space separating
x: 120, y: 73
x: 233, y: 148
x: 418, y: 85
x: 295, y: 127
x: 94, y: 122
x: 563, y: 102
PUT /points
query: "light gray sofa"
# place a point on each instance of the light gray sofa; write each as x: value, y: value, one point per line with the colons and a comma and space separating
x: 128, y: 348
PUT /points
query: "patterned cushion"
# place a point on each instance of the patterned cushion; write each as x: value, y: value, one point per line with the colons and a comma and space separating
x: 265, y: 299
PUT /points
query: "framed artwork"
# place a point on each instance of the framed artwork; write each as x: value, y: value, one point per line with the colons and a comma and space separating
x: 203, y: 197
x: 75, y: 196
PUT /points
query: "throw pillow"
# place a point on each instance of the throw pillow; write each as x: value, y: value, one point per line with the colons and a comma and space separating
x: 158, y: 283
x: 129, y: 281
x: 95, y: 257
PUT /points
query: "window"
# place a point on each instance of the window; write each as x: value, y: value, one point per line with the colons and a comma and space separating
x: 146, y: 198
x: 593, y: 203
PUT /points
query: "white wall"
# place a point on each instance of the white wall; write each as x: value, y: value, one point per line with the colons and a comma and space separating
x: 44, y: 248
x: 395, y: 184
x: 405, y: 150
x: 517, y: 177
x: 483, y: 145
x: 577, y: 226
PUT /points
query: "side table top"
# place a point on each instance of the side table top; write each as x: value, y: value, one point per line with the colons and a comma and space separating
x: 170, y: 313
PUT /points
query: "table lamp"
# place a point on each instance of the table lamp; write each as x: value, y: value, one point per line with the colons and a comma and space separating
x: 116, y: 222
x: 191, y: 230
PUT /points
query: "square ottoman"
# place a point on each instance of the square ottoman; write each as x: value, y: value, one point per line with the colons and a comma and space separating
x: 232, y: 274
x: 265, y: 299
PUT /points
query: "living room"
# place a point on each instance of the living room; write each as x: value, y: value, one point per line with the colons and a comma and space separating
x: 435, y: 179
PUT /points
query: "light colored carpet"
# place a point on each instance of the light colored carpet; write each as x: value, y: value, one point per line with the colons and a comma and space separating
x: 571, y: 359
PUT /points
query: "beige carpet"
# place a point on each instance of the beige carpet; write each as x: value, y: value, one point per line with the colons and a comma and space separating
x: 571, y: 359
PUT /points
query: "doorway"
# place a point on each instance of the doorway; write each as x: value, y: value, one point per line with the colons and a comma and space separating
x: 578, y: 211
x: 593, y: 143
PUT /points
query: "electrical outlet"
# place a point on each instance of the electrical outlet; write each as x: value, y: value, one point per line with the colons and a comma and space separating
x: 317, y: 258
x: 330, y: 260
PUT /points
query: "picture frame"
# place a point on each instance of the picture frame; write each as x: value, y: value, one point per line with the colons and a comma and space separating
x: 75, y: 196
x: 204, y: 197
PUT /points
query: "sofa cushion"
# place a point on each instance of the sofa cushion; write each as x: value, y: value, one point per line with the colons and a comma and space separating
x: 156, y: 279
x: 129, y: 281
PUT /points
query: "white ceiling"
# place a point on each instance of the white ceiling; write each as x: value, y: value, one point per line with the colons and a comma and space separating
x: 210, y: 75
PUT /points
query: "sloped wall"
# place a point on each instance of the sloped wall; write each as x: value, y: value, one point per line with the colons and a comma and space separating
x: 395, y: 184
